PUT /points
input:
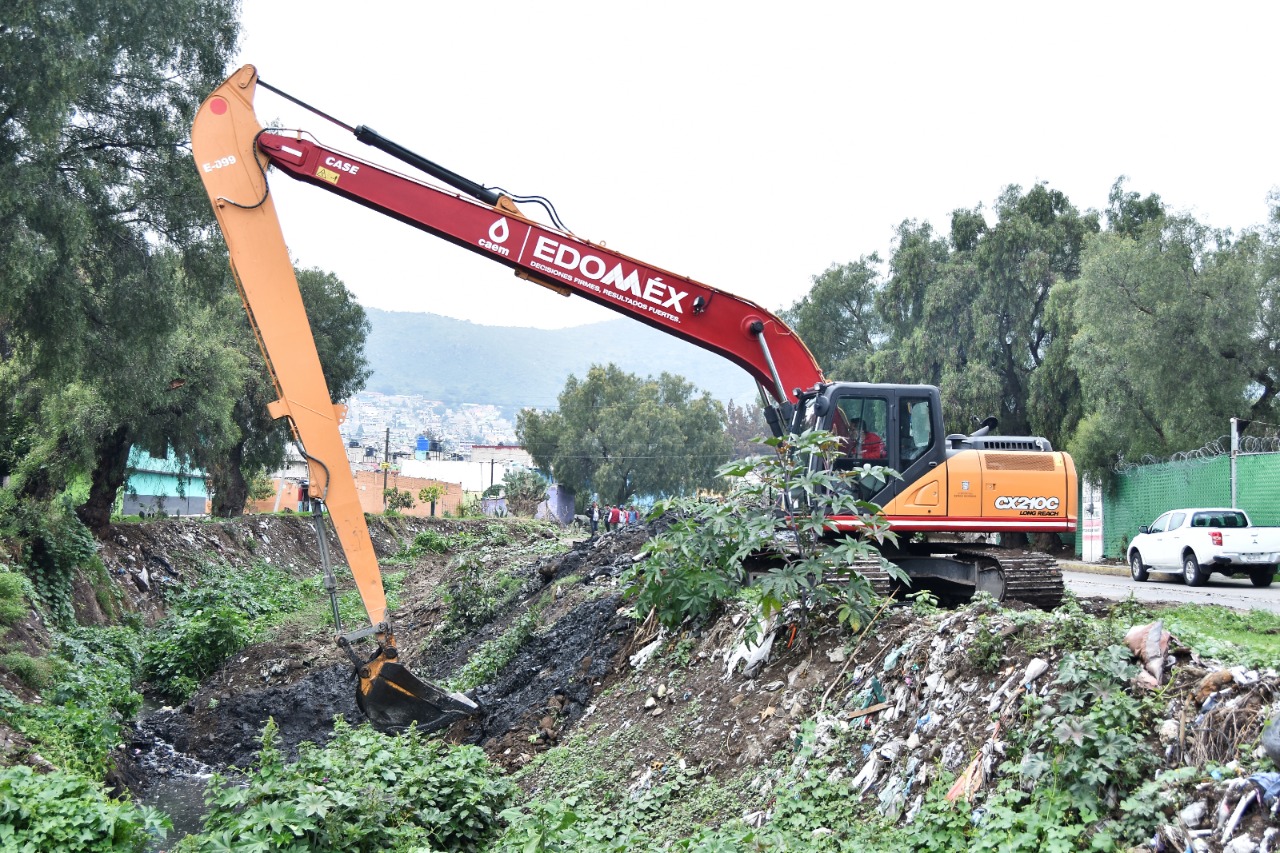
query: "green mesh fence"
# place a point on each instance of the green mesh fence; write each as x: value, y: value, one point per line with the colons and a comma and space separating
x: 1143, y: 493
x: 1258, y: 487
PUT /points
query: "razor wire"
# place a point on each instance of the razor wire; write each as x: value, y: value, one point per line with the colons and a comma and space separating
x: 1209, y: 451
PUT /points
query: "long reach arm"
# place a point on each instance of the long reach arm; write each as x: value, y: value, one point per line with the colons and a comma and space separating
x: 223, y: 140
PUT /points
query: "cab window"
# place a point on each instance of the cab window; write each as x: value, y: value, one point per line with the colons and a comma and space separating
x: 1160, y: 524
x: 915, y: 429
x: 860, y: 424
x: 1175, y: 520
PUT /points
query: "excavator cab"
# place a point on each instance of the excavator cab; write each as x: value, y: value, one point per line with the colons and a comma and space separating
x: 891, y: 426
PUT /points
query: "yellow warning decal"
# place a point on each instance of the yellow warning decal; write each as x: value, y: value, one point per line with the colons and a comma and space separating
x: 327, y: 175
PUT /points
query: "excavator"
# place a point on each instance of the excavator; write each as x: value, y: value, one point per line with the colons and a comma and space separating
x: 955, y: 490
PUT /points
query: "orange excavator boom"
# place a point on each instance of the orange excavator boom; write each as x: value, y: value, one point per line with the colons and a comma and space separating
x: 224, y: 142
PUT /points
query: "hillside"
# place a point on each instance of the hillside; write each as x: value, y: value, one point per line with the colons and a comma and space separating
x: 461, y: 362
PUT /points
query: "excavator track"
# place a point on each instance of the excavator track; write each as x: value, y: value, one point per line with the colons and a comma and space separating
x: 871, y: 569
x: 1029, y: 576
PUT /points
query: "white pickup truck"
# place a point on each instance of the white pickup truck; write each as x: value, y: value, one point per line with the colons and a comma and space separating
x: 1198, y: 542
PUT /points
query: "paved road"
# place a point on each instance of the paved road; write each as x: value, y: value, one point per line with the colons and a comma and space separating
x: 1115, y: 583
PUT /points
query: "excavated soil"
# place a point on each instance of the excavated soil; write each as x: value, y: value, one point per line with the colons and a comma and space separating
x: 925, y: 704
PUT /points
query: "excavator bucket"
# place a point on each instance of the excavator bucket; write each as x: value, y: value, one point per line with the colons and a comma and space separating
x: 392, y: 698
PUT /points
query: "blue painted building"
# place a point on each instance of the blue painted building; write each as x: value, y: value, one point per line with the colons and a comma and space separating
x: 163, y: 487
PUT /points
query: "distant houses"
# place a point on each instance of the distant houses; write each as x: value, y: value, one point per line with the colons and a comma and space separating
x: 166, y: 487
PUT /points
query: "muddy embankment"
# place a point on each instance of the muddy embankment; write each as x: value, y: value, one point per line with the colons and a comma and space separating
x: 927, y: 695
x: 303, y: 682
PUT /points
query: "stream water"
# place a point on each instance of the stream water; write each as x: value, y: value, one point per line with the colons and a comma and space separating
x: 175, y: 785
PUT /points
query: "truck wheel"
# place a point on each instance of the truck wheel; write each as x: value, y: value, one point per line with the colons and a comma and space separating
x: 1263, y: 577
x: 1192, y: 572
x: 1136, y: 569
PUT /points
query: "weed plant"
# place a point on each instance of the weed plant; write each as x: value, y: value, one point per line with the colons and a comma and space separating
x: 700, y: 562
x: 54, y: 544
x: 16, y: 595
x: 66, y: 811
x: 87, y: 682
x: 225, y: 610
x: 1250, y: 638
x: 474, y: 595
x: 489, y: 659
x: 364, y: 791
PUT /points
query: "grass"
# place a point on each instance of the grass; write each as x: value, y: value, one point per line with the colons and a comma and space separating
x: 602, y: 760
x: 15, y: 592
x: 33, y: 672
x: 1246, y: 638
x: 493, y: 655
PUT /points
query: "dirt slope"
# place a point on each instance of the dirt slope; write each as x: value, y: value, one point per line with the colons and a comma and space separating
x: 924, y: 695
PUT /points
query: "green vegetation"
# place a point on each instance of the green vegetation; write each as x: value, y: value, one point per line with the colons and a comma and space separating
x: 474, y: 594
x: 1249, y: 639
x: 428, y: 495
x: 87, y: 684
x: 32, y: 672
x: 395, y: 500
x: 66, y: 811
x: 700, y: 561
x: 672, y: 810
x: 1067, y: 628
x: 435, y: 542
x: 592, y: 757
x: 364, y: 791
x: 1062, y: 788
x: 54, y: 545
x: 221, y: 613
x: 618, y: 436
x: 188, y: 647
x: 524, y: 490
x: 16, y: 594
x: 486, y: 661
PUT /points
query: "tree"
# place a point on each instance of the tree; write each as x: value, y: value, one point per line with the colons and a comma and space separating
x: 103, y: 219
x: 622, y: 437
x: 431, y: 494
x: 1175, y: 338
x: 743, y: 424
x: 972, y: 320
x: 1128, y: 213
x: 524, y: 490
x: 394, y: 499
x: 837, y: 319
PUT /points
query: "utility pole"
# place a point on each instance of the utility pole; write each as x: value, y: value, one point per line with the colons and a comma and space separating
x: 386, y: 467
x: 1235, y: 451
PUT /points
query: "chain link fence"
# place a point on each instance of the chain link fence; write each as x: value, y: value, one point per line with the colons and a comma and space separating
x: 1201, y: 477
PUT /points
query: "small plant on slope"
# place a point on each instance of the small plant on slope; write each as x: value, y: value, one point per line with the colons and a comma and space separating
x: 705, y: 555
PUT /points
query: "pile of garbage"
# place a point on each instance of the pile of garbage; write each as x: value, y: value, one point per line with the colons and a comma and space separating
x: 924, y: 706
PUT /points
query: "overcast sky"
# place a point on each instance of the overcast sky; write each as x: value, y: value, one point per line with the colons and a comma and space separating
x: 748, y: 145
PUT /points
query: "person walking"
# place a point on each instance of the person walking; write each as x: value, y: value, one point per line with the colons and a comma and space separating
x: 594, y: 514
x: 613, y: 517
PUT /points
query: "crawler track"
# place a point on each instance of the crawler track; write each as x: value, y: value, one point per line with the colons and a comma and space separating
x: 1029, y: 576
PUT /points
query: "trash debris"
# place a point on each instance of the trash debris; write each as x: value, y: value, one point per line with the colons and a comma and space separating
x: 1150, y: 643
x: 1271, y: 740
